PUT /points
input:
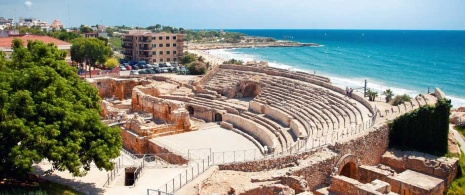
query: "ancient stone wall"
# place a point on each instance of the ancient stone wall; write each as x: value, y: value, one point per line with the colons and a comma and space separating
x: 278, y: 115
x: 119, y: 88
x: 170, y: 111
x: 254, y: 129
x: 168, y: 156
x: 133, y: 143
x: 367, y: 146
x: 441, y: 167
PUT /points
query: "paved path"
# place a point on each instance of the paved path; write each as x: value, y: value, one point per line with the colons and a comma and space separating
x: 458, y: 137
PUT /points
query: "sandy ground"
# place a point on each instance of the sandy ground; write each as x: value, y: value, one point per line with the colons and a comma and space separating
x: 213, y: 59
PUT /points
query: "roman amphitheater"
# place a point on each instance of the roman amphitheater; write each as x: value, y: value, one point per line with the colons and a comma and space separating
x: 254, y: 129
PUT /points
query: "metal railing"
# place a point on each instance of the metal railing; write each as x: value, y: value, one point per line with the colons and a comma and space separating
x: 112, y: 174
x: 189, y: 174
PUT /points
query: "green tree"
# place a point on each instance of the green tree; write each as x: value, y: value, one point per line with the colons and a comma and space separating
x: 48, y: 113
x: 372, y: 95
x: 85, y: 29
x: 92, y: 51
x: 157, y: 27
x: 388, y: 95
x: 111, y: 63
x: 188, y: 58
x: 399, y: 99
x: 197, y: 68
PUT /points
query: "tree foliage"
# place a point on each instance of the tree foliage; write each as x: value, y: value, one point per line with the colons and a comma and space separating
x: 94, y: 50
x: 47, y: 112
x: 197, y: 68
x: 111, y: 63
x: 234, y: 61
x: 388, y: 94
x: 425, y: 129
x: 399, y: 99
x: 188, y: 58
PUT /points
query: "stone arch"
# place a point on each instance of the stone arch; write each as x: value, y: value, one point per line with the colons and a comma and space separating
x: 347, y: 166
x: 218, y: 117
x: 191, y: 110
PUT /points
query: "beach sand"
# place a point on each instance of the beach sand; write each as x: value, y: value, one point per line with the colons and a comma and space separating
x: 213, y: 59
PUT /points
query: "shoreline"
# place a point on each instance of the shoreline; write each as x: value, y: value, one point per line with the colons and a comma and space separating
x: 216, y: 58
x: 209, y: 46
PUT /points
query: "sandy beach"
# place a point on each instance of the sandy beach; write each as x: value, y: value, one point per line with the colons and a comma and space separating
x: 213, y: 59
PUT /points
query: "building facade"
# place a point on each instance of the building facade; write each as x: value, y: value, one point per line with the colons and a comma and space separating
x: 153, y: 47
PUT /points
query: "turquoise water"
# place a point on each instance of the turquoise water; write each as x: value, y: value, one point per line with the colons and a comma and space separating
x: 404, y: 61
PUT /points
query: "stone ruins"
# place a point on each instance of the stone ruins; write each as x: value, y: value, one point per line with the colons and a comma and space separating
x: 311, y: 137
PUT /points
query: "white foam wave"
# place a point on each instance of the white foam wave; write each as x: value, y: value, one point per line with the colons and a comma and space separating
x: 355, y: 83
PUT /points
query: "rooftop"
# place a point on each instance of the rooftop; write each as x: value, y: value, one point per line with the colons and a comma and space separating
x: 7, y: 41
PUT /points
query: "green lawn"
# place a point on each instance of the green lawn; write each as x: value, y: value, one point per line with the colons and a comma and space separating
x: 458, y: 185
x: 36, y: 188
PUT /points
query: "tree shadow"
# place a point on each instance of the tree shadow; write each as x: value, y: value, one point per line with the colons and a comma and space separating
x: 85, y: 188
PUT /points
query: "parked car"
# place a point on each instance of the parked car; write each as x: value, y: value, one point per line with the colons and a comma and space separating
x: 134, y: 72
x: 128, y: 67
x: 155, y: 65
x: 122, y: 68
x: 135, y: 67
x: 150, y: 71
x: 143, y: 72
x: 157, y: 70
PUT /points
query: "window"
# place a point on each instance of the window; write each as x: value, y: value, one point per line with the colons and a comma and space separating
x: 160, y: 45
x: 167, y: 52
x: 161, y: 60
x: 168, y: 59
x: 167, y: 37
x: 174, y: 37
x: 160, y: 38
x: 167, y: 45
x: 154, y: 45
x: 174, y: 59
x: 174, y: 52
x: 154, y: 53
x: 161, y: 52
x: 174, y: 44
x: 154, y: 60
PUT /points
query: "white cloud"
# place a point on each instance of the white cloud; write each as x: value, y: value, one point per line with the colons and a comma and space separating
x: 28, y: 4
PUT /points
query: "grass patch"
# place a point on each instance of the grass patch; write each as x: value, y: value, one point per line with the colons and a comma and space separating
x: 35, y: 188
x: 458, y: 185
x: 460, y: 129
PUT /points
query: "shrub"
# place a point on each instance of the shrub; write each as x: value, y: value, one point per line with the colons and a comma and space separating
x: 399, y: 99
x: 388, y: 95
x: 197, y: 68
x: 234, y: 61
x: 425, y: 129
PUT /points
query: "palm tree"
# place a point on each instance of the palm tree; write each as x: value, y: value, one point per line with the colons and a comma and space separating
x: 372, y: 95
x: 389, y: 94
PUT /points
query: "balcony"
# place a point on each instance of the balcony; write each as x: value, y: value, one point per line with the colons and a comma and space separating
x: 127, y: 39
x: 127, y: 46
x: 127, y: 53
x: 145, y: 48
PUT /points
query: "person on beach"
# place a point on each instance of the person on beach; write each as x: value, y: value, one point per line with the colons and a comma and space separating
x: 347, y: 91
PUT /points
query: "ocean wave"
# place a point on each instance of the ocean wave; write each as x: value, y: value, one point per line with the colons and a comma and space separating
x: 356, y: 83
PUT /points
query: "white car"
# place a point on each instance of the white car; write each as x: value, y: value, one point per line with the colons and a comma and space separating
x: 122, y: 68
x: 134, y: 72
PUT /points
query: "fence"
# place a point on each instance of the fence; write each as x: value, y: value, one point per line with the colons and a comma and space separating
x: 112, y: 174
x: 157, y: 192
x: 185, y: 177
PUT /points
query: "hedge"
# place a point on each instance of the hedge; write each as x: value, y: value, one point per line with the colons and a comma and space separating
x: 425, y: 129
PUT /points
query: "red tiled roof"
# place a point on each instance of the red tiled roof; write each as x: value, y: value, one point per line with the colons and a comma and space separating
x: 7, y: 41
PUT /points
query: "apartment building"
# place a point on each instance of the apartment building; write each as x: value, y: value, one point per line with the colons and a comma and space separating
x: 153, y: 47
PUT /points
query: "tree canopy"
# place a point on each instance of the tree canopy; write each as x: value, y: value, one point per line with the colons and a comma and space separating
x: 48, y: 113
x: 95, y: 50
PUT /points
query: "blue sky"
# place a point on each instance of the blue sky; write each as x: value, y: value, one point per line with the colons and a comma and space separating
x: 248, y: 14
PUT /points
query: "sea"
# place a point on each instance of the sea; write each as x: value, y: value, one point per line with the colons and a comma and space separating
x: 405, y: 61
